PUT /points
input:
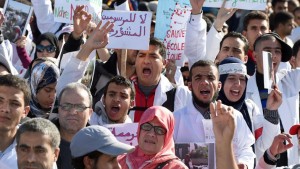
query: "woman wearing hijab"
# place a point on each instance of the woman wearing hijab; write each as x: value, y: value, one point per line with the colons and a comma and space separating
x: 47, y: 46
x: 155, y: 142
x: 264, y: 125
x: 42, y: 81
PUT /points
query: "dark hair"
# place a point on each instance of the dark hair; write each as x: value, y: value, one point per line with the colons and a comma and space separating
x: 296, y: 48
x: 274, y: 2
x: 209, y: 23
x: 282, y: 17
x: 296, y: 9
x: 162, y: 49
x: 18, y: 83
x: 120, y: 81
x: 236, y: 35
x: 254, y: 15
x: 201, y: 63
x: 260, y: 39
x: 75, y: 86
x: 52, y: 39
x: 78, y: 161
x: 40, y: 125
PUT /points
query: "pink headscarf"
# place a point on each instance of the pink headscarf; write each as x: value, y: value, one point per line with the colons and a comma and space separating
x: 138, y: 159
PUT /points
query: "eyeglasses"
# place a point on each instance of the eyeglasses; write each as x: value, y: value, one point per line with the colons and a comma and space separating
x: 157, y: 129
x: 49, y: 48
x: 69, y: 106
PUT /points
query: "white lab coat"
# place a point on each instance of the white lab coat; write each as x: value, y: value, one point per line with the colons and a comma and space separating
x: 289, y: 109
x: 189, y: 128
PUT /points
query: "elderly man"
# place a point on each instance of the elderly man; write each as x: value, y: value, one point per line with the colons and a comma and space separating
x: 14, y: 105
x: 75, y: 102
x: 37, y: 144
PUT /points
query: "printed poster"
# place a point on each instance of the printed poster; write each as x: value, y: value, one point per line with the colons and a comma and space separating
x: 17, y: 16
x: 196, y: 155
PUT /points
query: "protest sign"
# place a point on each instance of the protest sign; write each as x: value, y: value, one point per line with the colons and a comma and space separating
x: 64, y: 10
x: 240, y: 4
x: 171, y: 20
x: 17, y: 16
x: 196, y: 155
x: 125, y: 132
x: 131, y: 29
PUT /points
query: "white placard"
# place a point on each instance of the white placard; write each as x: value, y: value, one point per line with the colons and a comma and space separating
x: 125, y: 132
x: 240, y: 4
x: 131, y: 29
x: 64, y: 10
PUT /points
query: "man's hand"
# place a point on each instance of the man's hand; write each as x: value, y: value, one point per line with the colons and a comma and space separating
x: 278, y: 146
x: 196, y: 6
x: 99, y: 37
x: 81, y: 20
x: 274, y: 99
x: 97, y: 40
x: 223, y: 121
x: 223, y: 15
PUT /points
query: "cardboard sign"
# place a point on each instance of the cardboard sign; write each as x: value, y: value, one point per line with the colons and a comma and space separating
x: 17, y: 16
x: 171, y: 20
x: 131, y: 29
x: 64, y: 10
x: 240, y: 4
x: 125, y: 132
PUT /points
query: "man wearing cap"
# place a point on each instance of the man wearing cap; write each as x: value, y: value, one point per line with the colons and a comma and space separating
x: 95, y: 147
x: 287, y: 83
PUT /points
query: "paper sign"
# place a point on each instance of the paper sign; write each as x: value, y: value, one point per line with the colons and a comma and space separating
x: 208, y: 131
x: 240, y: 4
x: 195, y: 155
x: 17, y: 16
x: 171, y: 20
x: 64, y: 10
x: 125, y: 132
x: 131, y: 29
x: 269, y: 77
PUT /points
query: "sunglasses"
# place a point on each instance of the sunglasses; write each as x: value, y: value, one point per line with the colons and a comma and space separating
x: 157, y: 129
x: 69, y: 106
x: 49, y: 48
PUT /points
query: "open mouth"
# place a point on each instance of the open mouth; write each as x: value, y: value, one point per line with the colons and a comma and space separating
x: 235, y: 92
x: 204, y: 92
x: 146, y: 71
x: 150, y: 141
x: 115, y: 109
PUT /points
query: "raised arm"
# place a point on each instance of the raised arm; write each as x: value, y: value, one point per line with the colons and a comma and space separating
x: 195, y: 40
x: 223, y: 127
